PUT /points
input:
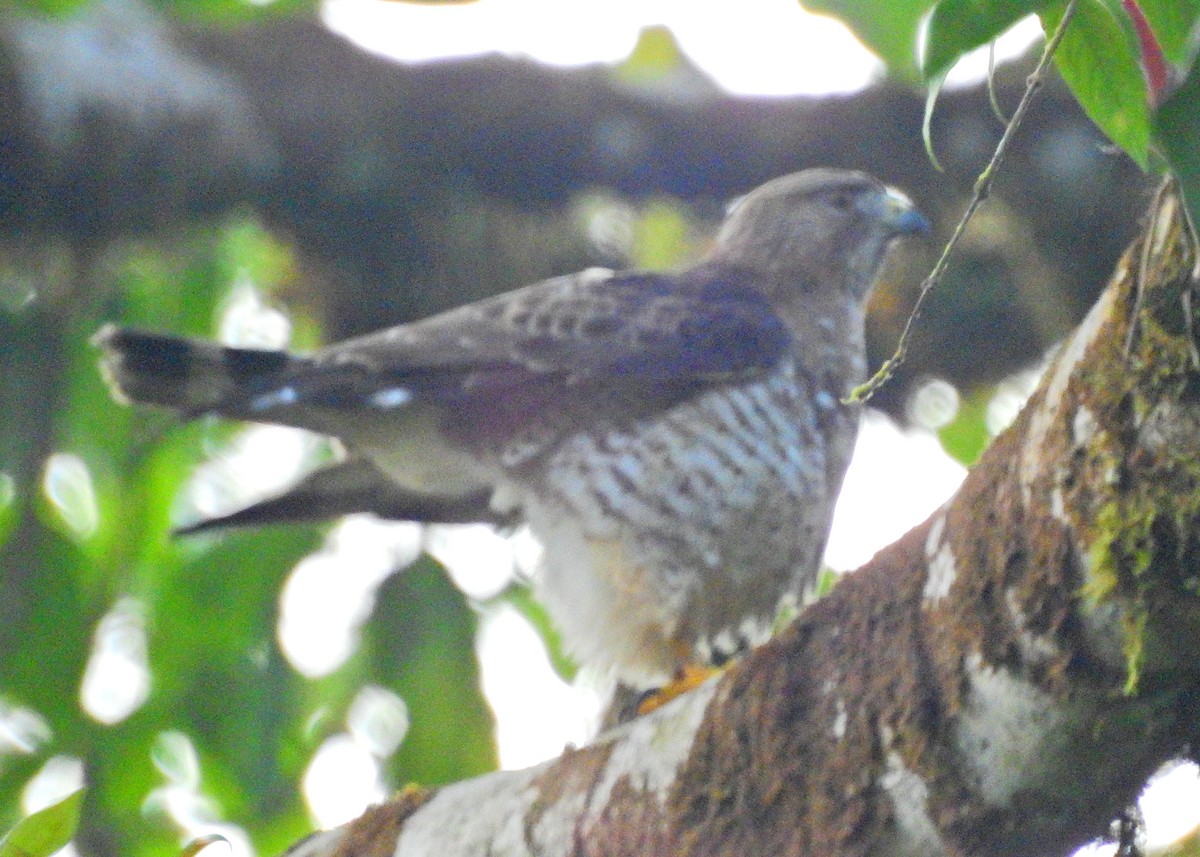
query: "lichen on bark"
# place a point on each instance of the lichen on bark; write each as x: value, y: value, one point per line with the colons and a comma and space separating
x: 1141, y: 521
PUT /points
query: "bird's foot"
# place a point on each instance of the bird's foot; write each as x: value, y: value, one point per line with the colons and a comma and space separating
x: 687, y: 677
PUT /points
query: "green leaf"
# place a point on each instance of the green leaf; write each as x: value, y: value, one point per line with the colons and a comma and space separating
x: 826, y: 580
x: 51, y: 8
x: 240, y: 700
x: 1173, y: 22
x: 966, y: 436
x: 957, y: 27
x: 422, y: 640
x: 1177, y: 133
x: 655, y: 56
x: 46, y: 831
x: 1099, y: 60
x: 9, y: 505
x: 888, y: 28
x: 235, y: 11
x: 931, y: 97
x: 661, y: 237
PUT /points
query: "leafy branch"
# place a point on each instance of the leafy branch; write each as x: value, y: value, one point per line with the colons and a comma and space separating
x: 983, y: 186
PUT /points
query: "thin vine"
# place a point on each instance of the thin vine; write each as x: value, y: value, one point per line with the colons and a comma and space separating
x: 983, y: 185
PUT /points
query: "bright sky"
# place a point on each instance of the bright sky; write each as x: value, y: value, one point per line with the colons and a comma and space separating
x: 768, y: 47
x: 786, y: 44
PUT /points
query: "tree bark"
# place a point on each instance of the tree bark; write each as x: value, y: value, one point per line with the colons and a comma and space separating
x: 1000, y: 681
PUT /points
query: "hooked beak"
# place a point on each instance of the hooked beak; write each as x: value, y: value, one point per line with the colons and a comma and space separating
x: 899, y: 213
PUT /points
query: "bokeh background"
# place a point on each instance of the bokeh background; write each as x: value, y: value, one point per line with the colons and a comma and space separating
x: 291, y: 173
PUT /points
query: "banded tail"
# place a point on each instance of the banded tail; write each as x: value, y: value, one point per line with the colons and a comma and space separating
x: 197, y: 377
x: 189, y: 375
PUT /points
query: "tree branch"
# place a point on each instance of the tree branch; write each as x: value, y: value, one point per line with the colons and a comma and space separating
x: 1002, y: 680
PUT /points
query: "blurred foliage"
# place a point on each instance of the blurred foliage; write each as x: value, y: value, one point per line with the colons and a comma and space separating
x: 957, y: 27
x: 966, y: 436
x: 45, y: 831
x: 423, y: 647
x: 49, y: 7
x: 90, y: 547
x: 888, y: 27
x: 663, y: 236
x: 87, y: 566
x: 1099, y: 60
x: 519, y: 594
x: 236, y: 11
x: 1131, y: 64
x: 216, y: 11
x: 89, y: 492
x: 1177, y: 127
x: 656, y: 56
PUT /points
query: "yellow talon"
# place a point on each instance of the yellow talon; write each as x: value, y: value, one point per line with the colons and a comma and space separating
x: 687, y: 677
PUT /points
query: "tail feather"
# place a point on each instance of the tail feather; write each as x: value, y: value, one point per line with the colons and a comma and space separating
x: 188, y: 375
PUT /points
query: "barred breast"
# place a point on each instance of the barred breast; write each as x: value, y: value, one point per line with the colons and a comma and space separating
x: 675, y: 539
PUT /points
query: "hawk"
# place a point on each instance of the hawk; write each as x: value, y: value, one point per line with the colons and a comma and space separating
x: 676, y: 441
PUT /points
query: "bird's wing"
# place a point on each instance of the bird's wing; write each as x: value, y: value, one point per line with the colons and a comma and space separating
x: 706, y: 326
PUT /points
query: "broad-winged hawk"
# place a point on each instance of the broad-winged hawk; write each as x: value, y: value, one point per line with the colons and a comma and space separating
x: 676, y: 441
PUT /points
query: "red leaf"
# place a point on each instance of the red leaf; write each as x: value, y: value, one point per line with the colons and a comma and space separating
x: 1154, y: 64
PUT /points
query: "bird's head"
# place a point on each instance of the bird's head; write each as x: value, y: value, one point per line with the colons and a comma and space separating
x: 818, y: 229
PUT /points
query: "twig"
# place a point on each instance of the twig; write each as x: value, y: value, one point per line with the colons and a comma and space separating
x: 1194, y: 240
x: 993, y: 99
x: 1143, y: 271
x: 983, y: 185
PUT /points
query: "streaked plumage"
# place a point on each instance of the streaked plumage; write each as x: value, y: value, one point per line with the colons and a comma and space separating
x: 676, y: 441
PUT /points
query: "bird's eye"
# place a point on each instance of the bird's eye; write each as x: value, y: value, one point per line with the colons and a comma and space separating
x: 842, y: 200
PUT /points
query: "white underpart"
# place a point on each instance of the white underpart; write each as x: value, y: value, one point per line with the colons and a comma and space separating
x: 609, y: 632
x: 417, y: 457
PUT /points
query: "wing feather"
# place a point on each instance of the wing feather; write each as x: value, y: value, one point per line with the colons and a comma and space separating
x: 705, y: 327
